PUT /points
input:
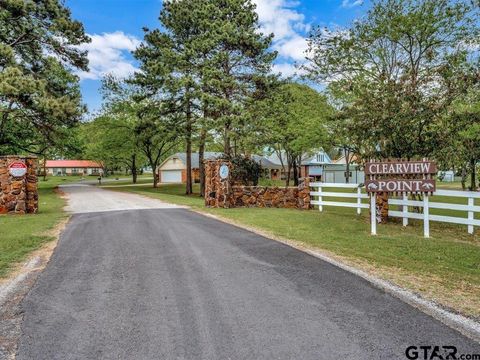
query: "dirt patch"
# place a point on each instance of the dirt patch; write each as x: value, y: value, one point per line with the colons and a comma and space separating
x: 14, y: 288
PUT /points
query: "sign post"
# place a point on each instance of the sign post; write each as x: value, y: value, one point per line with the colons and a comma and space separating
x: 426, y: 223
x: 399, y: 178
x: 373, y: 213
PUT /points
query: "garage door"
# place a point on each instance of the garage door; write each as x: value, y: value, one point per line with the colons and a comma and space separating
x: 171, y: 176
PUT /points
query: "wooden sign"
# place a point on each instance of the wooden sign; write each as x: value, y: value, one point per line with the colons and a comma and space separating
x: 400, y: 168
x: 400, y: 185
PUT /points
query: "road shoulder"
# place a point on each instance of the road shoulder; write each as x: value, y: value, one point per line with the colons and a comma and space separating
x: 16, y: 286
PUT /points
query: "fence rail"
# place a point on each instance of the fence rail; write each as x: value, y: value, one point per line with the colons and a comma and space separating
x: 352, y: 195
x: 470, y: 208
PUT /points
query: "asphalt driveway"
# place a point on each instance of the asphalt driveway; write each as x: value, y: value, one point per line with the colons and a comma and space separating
x: 167, y: 283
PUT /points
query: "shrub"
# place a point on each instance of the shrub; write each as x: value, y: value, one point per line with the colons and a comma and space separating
x: 245, y: 170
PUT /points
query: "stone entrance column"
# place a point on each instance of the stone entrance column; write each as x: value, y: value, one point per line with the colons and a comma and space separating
x: 218, y: 185
x: 18, y: 191
x: 382, y: 207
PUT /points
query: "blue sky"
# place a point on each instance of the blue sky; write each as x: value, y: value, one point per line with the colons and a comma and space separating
x: 116, y: 29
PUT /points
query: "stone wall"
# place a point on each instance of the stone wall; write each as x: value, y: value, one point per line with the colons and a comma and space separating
x: 18, y: 195
x: 272, y: 197
x: 220, y: 193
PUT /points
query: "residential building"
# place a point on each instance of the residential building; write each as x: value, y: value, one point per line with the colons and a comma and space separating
x: 311, y: 166
x: 73, y: 167
x: 336, y: 172
x: 174, y: 168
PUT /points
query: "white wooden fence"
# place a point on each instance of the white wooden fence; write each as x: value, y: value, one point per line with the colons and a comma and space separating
x: 338, y: 191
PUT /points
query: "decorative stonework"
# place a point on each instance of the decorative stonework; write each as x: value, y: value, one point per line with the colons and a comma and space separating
x: 220, y: 193
x: 272, y: 197
x: 381, y: 202
x: 18, y: 195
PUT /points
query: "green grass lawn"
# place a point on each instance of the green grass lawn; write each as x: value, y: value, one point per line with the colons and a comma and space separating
x: 21, y: 234
x: 111, y: 180
x: 445, y: 267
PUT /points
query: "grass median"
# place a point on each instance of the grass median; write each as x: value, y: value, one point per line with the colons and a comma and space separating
x: 22, y: 234
x: 445, y: 268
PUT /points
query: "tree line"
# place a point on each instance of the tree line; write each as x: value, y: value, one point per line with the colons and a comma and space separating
x: 400, y: 82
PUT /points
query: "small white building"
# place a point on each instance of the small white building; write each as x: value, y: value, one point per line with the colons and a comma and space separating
x: 336, y: 172
x: 446, y: 176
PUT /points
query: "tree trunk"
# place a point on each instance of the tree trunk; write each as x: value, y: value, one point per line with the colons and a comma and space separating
x: 134, y: 168
x: 295, y: 173
x: 279, y: 154
x: 226, y: 140
x: 201, y: 156
x: 289, y: 167
x: 473, y: 180
x: 464, y: 179
x: 44, y: 168
x: 153, y: 165
x: 155, y: 179
x: 189, y: 187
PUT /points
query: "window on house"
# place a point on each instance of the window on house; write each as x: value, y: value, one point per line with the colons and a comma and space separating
x: 320, y: 158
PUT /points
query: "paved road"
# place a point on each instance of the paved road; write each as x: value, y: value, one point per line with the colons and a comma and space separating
x: 88, y: 199
x: 172, y: 284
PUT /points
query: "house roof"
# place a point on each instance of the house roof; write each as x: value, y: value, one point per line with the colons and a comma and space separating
x: 263, y: 161
x: 342, y: 160
x: 195, y: 158
x: 307, y: 159
x: 72, y: 164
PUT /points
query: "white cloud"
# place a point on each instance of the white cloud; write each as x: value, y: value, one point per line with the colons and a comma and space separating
x: 286, y: 69
x: 294, y: 48
x: 351, y: 3
x: 107, y: 55
x: 281, y: 18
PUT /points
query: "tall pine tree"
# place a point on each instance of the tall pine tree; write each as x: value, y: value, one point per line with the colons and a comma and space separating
x: 39, y: 96
x: 208, y: 61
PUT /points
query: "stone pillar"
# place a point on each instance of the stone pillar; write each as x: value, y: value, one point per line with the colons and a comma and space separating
x: 381, y: 202
x: 218, y: 191
x: 18, y: 195
x: 304, y: 198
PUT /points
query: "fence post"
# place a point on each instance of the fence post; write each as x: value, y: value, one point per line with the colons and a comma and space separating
x: 373, y: 213
x: 359, y: 200
x: 471, y: 203
x: 320, y: 207
x: 426, y: 223
x: 405, y: 210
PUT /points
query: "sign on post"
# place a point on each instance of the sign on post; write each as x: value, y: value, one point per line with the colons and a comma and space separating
x: 17, y: 169
x: 401, y: 185
x: 400, y: 168
x: 224, y: 171
x: 400, y: 178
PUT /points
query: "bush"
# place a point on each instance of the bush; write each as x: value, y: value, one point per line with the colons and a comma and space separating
x: 245, y: 170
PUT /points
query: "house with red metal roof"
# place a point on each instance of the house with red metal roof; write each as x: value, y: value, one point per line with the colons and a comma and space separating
x: 73, y: 167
